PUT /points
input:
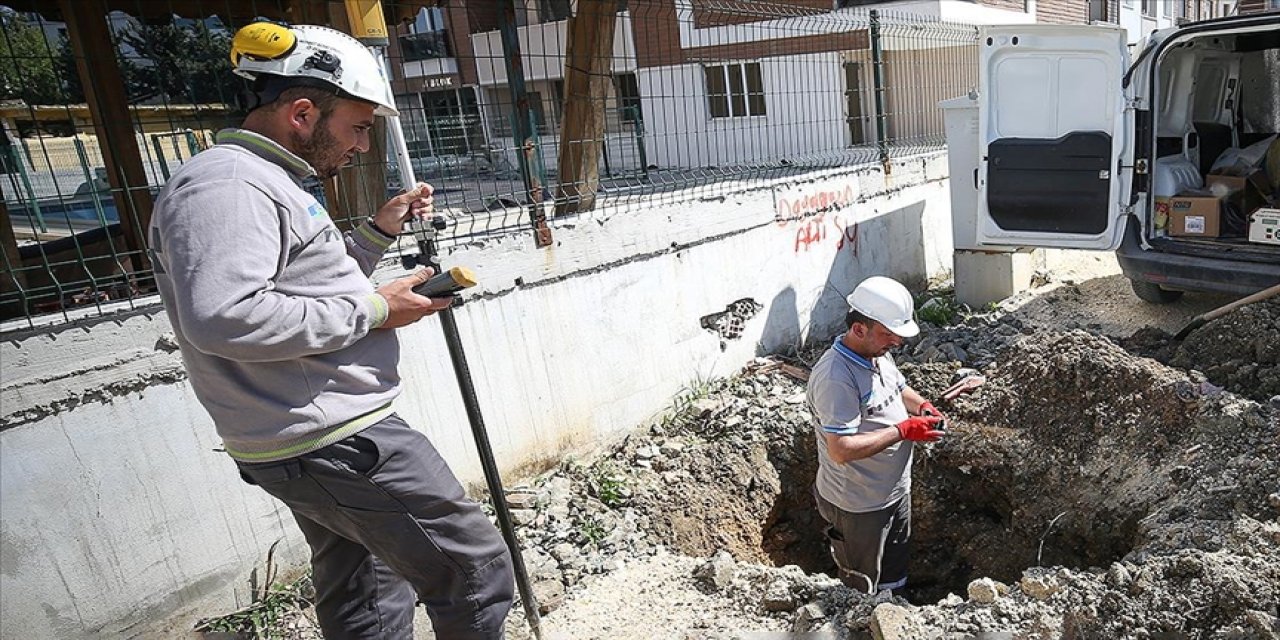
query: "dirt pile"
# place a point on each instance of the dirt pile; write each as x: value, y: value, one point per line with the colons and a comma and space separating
x: 1239, y: 351
x: 717, y: 473
x: 1080, y: 457
x: 1083, y: 492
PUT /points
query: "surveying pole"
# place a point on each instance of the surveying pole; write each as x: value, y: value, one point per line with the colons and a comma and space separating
x: 370, y: 27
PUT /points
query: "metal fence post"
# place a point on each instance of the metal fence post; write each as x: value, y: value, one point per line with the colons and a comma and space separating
x: 523, y: 128
x: 638, y: 118
x: 164, y: 166
x: 89, y: 180
x: 877, y: 74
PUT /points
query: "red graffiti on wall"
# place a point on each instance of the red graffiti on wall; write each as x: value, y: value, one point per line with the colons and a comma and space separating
x: 848, y: 237
x: 814, y: 231
x: 806, y: 204
x: 810, y: 232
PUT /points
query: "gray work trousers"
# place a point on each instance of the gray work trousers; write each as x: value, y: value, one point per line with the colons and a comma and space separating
x: 871, y: 549
x: 389, y: 525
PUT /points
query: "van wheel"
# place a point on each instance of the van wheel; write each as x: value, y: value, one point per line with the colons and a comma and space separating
x: 1153, y: 293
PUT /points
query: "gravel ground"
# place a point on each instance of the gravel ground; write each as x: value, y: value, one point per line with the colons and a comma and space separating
x: 1085, y: 492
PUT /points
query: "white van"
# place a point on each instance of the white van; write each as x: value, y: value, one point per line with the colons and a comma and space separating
x: 1078, y: 148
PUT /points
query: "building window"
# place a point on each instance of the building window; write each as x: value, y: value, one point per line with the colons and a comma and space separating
x: 1149, y: 8
x: 735, y: 90
x: 428, y: 20
x: 554, y: 10
x: 425, y: 46
x: 1098, y: 10
x: 427, y: 38
x: 628, y: 92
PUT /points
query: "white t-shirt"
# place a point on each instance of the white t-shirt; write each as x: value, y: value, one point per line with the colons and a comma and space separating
x: 849, y: 394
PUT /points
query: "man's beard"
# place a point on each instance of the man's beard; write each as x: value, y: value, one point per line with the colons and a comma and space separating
x: 321, y: 150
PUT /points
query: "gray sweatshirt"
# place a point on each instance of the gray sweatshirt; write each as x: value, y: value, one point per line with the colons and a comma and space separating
x: 272, y: 306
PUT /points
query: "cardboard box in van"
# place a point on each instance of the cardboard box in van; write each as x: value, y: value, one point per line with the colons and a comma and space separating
x: 1194, y: 215
x: 1246, y: 192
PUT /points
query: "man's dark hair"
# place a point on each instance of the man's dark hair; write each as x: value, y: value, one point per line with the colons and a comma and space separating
x: 322, y: 99
x: 855, y: 316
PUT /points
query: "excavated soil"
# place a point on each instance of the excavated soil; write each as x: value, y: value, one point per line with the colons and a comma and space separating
x: 1083, y: 492
x: 1239, y: 351
x: 1088, y: 490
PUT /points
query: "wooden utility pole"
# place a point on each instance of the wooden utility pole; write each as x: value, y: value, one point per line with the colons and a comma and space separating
x: 587, y: 75
x: 13, y: 278
x: 104, y: 90
x: 359, y: 190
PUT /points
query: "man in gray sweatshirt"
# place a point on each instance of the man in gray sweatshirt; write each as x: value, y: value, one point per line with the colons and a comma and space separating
x: 293, y: 352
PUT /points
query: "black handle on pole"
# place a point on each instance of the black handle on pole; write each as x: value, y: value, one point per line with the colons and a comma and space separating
x: 487, y: 461
x: 493, y: 480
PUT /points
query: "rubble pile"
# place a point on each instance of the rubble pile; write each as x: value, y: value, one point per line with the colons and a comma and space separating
x: 1083, y: 492
x: 1239, y: 351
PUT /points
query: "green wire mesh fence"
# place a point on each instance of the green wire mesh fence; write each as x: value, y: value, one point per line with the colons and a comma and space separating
x: 665, y: 101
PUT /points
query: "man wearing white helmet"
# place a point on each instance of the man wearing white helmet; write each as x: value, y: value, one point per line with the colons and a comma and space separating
x: 293, y: 352
x: 867, y: 420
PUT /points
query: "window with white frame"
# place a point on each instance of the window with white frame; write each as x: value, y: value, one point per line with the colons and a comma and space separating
x: 735, y: 90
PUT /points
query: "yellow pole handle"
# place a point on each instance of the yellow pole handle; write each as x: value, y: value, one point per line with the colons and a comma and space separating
x: 367, y: 22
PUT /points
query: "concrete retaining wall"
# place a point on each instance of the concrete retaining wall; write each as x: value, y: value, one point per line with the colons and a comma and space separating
x: 119, y: 517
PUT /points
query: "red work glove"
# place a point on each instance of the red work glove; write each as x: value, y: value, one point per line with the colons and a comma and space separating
x: 920, y: 428
x: 927, y: 409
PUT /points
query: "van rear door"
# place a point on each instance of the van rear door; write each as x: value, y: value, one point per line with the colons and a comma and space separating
x: 1054, y: 128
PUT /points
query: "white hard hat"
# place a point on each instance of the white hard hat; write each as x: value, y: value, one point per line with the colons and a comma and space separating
x: 272, y: 54
x: 886, y: 301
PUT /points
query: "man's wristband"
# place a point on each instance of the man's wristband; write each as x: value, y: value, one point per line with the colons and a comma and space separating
x: 380, y: 230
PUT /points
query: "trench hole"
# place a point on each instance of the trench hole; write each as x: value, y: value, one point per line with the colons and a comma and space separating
x: 1028, y: 479
x: 990, y: 513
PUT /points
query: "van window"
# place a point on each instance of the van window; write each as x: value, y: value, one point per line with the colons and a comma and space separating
x: 1166, y: 88
x: 1210, y: 79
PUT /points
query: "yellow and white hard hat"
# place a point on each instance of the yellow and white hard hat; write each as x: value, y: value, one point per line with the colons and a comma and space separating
x: 886, y: 301
x: 272, y: 54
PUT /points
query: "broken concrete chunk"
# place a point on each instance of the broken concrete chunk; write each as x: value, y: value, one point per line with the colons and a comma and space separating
x: 983, y: 591
x: 166, y: 343
x: 648, y: 452
x: 566, y: 553
x: 704, y: 407
x: 671, y: 448
x: 1274, y: 500
x: 777, y: 597
x: 1039, y: 587
x: 559, y: 491
x: 955, y: 352
x: 718, y: 572
x: 1118, y: 576
x: 1262, y: 623
x: 892, y: 622
x: 539, y: 565
x: 796, y: 398
x: 523, y: 517
x: 549, y: 594
x: 522, y: 500
x: 808, y: 616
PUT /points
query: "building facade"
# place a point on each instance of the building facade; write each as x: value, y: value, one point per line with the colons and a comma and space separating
x: 701, y: 86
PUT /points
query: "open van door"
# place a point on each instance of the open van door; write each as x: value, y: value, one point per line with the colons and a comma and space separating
x: 1053, y: 127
